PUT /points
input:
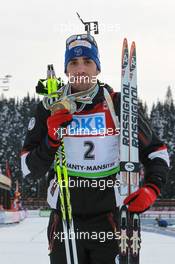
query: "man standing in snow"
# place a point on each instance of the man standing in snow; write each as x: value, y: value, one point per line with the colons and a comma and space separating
x: 90, y: 157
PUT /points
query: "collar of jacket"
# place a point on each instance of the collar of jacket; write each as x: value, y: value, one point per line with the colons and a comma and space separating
x: 99, y: 97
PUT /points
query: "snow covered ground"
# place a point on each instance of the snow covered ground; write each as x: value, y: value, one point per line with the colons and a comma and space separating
x: 157, y: 249
x: 26, y: 243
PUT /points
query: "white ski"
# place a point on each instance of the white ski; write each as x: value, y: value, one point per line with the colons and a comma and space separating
x: 129, y: 161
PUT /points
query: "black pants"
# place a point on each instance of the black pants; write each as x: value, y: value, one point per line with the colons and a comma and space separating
x: 97, y: 244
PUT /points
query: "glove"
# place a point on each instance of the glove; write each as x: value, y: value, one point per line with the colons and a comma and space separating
x: 60, y: 118
x: 142, y: 199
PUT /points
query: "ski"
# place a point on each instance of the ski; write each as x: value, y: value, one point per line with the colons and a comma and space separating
x: 129, y: 244
x: 134, y: 225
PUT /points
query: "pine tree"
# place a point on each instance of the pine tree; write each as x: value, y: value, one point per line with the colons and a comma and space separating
x: 157, y: 119
x: 14, y: 119
x: 163, y: 122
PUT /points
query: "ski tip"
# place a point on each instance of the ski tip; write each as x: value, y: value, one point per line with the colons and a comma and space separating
x: 133, y: 48
x: 125, y: 54
x: 132, y: 55
x: 133, y: 45
x: 125, y: 42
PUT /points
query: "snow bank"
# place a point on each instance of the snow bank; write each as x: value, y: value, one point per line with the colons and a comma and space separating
x: 9, y: 217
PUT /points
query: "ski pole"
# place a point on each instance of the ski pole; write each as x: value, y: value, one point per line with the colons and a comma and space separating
x: 62, y: 177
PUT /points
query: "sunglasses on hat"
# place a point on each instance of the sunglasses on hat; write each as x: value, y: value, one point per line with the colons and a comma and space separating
x: 87, y: 37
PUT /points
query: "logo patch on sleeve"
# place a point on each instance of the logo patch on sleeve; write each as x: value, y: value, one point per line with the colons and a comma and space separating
x: 31, y: 123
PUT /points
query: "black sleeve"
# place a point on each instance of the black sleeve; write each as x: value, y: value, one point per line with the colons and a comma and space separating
x: 155, y: 168
x: 152, y: 151
x: 40, y: 156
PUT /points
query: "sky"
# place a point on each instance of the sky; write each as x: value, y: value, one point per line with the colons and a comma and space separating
x: 33, y: 34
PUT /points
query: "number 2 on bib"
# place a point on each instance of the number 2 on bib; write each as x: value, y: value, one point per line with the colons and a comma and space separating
x: 88, y: 155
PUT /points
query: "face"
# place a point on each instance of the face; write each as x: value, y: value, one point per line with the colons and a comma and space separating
x: 82, y: 73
